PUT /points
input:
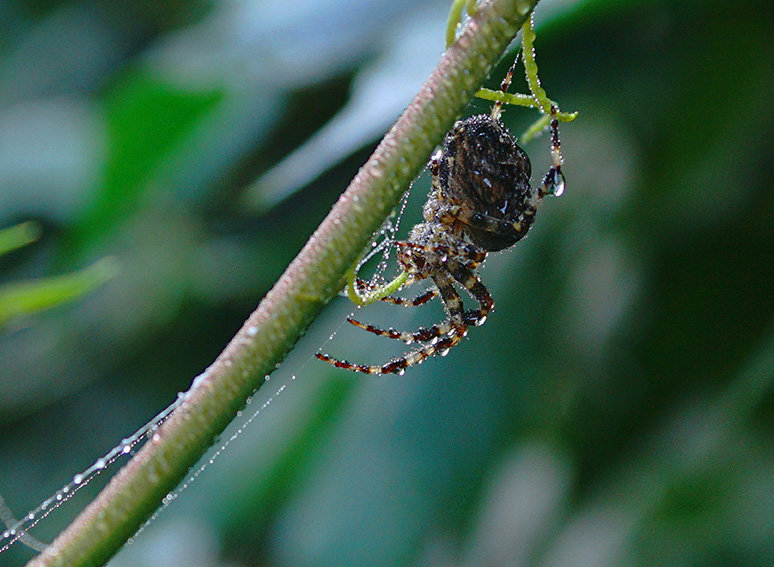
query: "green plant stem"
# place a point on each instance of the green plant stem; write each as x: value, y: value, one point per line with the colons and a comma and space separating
x: 313, y: 278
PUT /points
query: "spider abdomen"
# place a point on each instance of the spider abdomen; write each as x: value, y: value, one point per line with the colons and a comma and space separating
x: 483, y: 181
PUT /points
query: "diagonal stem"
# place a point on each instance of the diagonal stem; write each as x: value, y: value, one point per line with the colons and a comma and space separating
x: 313, y: 278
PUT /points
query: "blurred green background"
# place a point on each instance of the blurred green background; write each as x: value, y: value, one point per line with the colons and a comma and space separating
x: 616, y: 409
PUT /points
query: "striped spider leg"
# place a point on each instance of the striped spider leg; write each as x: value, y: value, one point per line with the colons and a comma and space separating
x: 463, y: 274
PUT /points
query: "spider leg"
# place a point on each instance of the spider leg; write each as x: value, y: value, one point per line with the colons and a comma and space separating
x: 553, y: 181
x: 477, y: 289
x: 457, y: 330
x: 465, y: 277
x: 397, y: 365
x: 420, y: 299
x: 420, y: 335
x: 363, y: 287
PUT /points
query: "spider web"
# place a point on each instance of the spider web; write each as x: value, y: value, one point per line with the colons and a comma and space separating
x: 17, y: 530
x: 382, y: 245
x: 380, y: 249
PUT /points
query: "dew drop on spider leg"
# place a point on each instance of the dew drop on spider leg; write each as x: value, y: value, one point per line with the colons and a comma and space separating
x: 556, y: 182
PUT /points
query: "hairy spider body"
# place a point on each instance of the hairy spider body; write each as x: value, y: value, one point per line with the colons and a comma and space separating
x: 481, y: 201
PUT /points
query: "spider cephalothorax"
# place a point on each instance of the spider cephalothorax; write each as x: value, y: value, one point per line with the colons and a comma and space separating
x: 481, y: 201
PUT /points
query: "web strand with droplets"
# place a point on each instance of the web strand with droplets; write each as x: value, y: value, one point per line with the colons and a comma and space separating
x: 17, y: 530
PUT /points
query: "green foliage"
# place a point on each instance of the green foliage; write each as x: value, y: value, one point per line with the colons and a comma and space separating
x: 147, y: 121
x: 25, y: 298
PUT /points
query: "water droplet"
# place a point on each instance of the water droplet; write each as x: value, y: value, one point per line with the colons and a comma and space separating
x: 100, y: 464
x: 558, y: 183
x: 252, y: 331
x: 401, y: 372
x: 443, y: 351
x: 59, y: 496
x: 30, y: 517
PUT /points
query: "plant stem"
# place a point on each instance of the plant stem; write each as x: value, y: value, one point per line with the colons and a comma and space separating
x: 313, y: 278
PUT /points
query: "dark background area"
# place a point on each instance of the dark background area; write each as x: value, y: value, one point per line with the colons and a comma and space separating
x: 616, y: 408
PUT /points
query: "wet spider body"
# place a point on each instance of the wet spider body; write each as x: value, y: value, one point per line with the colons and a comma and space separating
x: 481, y: 185
x: 481, y: 201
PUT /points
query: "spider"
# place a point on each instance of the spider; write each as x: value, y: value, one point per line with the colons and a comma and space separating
x: 481, y: 201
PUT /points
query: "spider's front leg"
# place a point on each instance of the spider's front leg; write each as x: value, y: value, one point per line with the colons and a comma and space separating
x: 449, y: 334
x: 423, y: 334
x: 477, y: 289
x: 553, y: 181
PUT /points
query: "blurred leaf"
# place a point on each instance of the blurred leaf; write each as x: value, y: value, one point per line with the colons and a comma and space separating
x: 147, y: 120
x: 15, y: 237
x: 29, y: 297
x: 380, y: 92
